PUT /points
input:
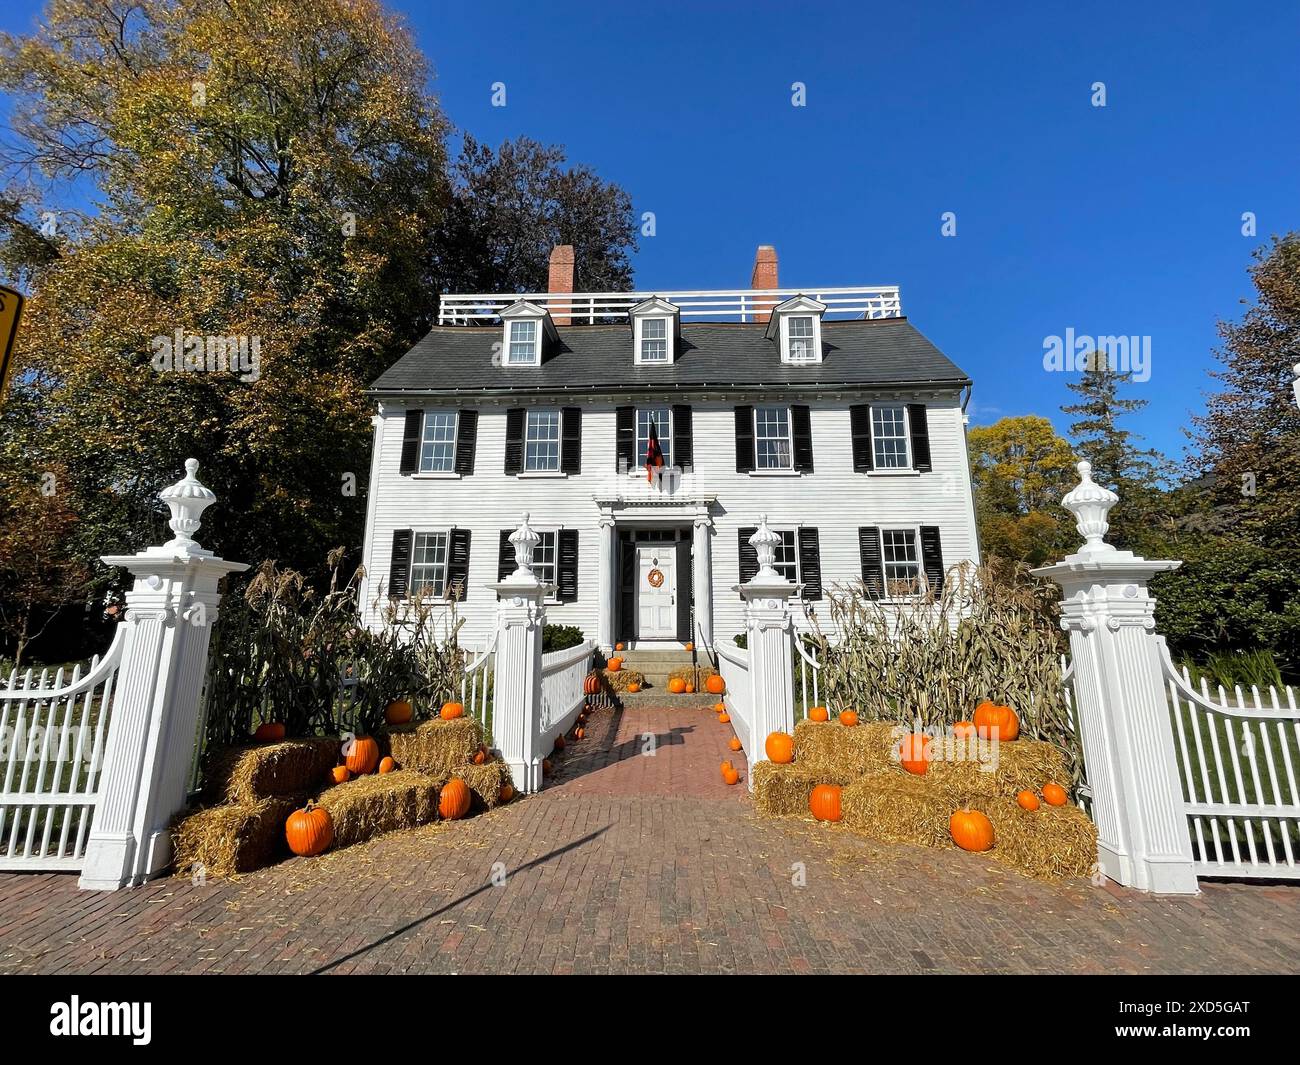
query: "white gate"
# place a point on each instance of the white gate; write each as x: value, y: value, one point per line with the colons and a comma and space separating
x: 51, y: 752
x: 1237, y: 759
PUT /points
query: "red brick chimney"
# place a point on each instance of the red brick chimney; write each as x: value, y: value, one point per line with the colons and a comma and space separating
x: 561, y: 282
x: 764, y: 276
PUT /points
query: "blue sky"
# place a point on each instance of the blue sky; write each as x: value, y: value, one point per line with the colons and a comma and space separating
x: 1124, y: 219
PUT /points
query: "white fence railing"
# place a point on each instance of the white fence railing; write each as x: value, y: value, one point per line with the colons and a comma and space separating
x: 562, y: 675
x: 809, y: 684
x: 869, y: 301
x: 1237, y: 758
x: 51, y: 753
x: 477, y: 686
x: 733, y: 664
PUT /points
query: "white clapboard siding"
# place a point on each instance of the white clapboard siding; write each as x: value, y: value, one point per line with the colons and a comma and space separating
x: 834, y: 499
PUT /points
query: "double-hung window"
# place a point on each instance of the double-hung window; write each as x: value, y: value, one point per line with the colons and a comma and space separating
x: 889, y: 436
x: 544, y: 557
x: 662, y: 418
x: 772, y: 448
x: 786, y: 561
x: 902, y: 562
x: 654, y: 340
x: 523, y: 343
x: 542, y: 441
x: 801, y: 336
x: 438, y: 442
x: 429, y: 564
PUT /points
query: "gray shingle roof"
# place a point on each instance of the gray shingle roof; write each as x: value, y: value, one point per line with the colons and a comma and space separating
x: 710, y: 355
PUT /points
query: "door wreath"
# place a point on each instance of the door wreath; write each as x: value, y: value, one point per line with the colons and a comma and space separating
x: 655, y: 577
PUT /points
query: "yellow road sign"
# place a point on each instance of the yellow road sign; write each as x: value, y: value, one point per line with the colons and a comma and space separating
x: 11, y: 311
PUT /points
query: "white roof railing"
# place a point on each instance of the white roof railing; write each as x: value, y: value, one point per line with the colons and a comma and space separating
x: 870, y: 301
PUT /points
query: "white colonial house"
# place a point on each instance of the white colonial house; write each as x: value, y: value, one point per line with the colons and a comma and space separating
x: 824, y: 409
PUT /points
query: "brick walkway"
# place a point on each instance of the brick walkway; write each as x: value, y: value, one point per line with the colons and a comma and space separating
x: 630, y: 864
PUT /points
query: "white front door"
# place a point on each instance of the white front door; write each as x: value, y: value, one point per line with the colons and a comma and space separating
x: 656, y: 591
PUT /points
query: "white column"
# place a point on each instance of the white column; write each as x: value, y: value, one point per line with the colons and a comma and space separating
x: 769, y: 629
x: 155, y: 714
x: 517, y: 705
x: 606, y: 585
x: 702, y: 563
x: 1121, y: 706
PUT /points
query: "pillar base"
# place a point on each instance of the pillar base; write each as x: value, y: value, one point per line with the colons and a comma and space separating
x: 108, y: 862
x: 1172, y: 875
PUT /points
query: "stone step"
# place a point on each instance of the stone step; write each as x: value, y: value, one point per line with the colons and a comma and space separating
x: 662, y: 697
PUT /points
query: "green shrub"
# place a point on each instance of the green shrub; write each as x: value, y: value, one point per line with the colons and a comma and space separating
x: 560, y: 637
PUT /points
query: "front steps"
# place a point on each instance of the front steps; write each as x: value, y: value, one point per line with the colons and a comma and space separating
x: 656, y: 665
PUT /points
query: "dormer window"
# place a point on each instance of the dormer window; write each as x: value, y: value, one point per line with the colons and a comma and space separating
x: 654, y: 332
x: 527, y: 328
x: 797, y: 323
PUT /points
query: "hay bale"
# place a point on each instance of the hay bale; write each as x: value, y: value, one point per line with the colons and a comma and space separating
x: 619, y: 680
x: 896, y: 807
x: 840, y: 754
x: 372, y: 805
x: 782, y: 790
x: 434, y: 747
x: 1048, y: 843
x: 234, y: 838
x: 485, y: 781
x: 697, y: 675
x: 247, y: 775
x: 968, y: 771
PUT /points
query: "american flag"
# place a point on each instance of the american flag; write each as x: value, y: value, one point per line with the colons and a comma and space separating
x: 654, y: 455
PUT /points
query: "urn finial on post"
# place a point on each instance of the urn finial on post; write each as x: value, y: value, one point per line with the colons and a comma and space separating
x: 1090, y: 503
x: 765, y: 542
x: 525, y: 540
x: 187, y: 499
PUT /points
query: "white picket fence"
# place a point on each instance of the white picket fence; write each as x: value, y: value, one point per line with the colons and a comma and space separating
x: 1237, y: 758
x: 733, y: 665
x: 478, y: 684
x: 51, y: 752
x: 562, y: 675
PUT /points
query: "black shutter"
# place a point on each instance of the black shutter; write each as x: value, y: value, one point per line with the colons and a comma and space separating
x: 399, y: 567
x: 466, y: 440
x: 801, y: 430
x: 571, y: 440
x: 873, y: 568
x: 919, y: 424
x: 505, y: 555
x: 515, y: 440
x: 458, y: 566
x: 624, y: 437
x: 810, y: 563
x: 932, y: 557
x: 566, y: 564
x: 411, y: 441
x: 748, y: 556
x: 683, y: 437
x: 860, y: 420
x: 744, y: 439
x: 685, y: 586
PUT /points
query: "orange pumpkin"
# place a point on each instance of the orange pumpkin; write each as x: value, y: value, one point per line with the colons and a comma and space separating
x: 819, y: 713
x: 398, y: 712
x: 676, y: 685
x: 547, y: 767
x: 724, y: 719
x: 633, y: 688
x: 996, y: 722
x: 1054, y: 795
x: 340, y: 774
x: 579, y: 732
x: 690, y: 646
x: 734, y: 743
x: 849, y: 718
x: 480, y: 756
x: 453, y: 801
x: 779, y: 747
x: 726, y: 764
x: 914, y: 753
x: 271, y: 732
x: 559, y: 742
x: 386, y: 765
x: 963, y: 730
x: 690, y: 688
x: 618, y: 647
x: 506, y: 793
x: 591, y: 686
x: 362, y: 755
x: 451, y: 711
x: 1027, y: 800
x: 309, y: 830
x: 730, y: 776
x: 615, y: 664
x: 824, y: 802
x: 719, y: 708
x: 715, y: 685
x: 971, y: 830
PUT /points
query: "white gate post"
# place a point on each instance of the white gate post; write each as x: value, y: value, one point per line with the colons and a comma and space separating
x: 150, y: 745
x: 769, y: 634
x: 1122, y: 709
x: 517, y: 701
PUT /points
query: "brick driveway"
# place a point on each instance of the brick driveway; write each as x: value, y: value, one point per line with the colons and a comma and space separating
x: 632, y: 864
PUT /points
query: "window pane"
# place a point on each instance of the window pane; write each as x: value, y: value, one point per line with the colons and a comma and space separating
x: 523, y: 341
x: 429, y: 564
x: 654, y: 340
x: 438, y: 442
x: 801, y: 339
x: 902, y: 565
x: 544, y: 558
x: 889, y: 437
x: 772, y: 438
x: 542, y: 440
x: 786, y: 562
x: 662, y: 417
